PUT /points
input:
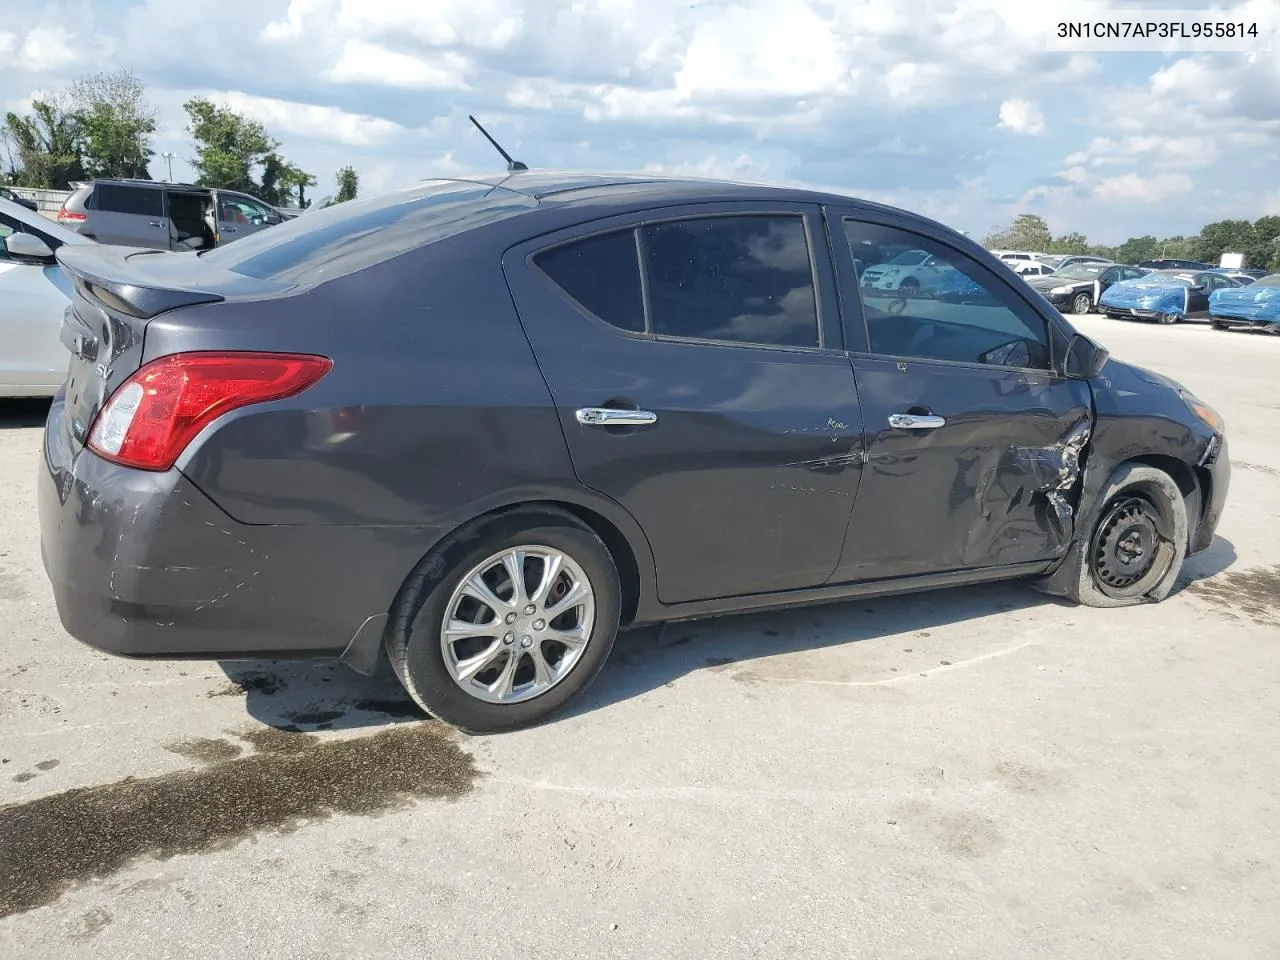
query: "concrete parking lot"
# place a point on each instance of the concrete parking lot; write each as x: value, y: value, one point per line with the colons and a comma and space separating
x: 980, y: 773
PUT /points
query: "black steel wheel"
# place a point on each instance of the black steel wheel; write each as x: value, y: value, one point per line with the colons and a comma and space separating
x: 1132, y: 549
x: 1129, y: 554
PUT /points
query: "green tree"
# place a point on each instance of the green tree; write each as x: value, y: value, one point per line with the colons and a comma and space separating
x: 348, y: 184
x: 228, y: 146
x: 1027, y: 232
x: 1226, y: 236
x: 1069, y: 243
x: 1268, y: 233
x: 45, y: 145
x: 116, y: 124
x: 1137, y: 249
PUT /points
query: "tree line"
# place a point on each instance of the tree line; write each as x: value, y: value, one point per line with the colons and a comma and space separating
x: 102, y: 126
x: 1258, y: 240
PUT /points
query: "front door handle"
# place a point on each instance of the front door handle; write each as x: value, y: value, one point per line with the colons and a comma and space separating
x: 609, y: 417
x: 915, y: 421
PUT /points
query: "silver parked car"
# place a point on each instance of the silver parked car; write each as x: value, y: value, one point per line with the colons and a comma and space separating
x: 34, y: 293
x: 164, y: 216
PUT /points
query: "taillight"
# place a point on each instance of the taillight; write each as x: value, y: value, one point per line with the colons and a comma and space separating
x: 68, y: 216
x: 151, y: 418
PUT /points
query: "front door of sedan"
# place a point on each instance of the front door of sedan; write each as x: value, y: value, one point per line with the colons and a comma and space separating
x: 971, y: 437
x: 695, y: 362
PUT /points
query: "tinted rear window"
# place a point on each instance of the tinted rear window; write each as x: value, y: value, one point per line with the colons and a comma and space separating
x: 602, y: 274
x: 117, y: 198
x: 347, y: 237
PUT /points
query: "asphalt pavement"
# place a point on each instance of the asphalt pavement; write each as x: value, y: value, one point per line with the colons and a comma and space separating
x: 977, y: 773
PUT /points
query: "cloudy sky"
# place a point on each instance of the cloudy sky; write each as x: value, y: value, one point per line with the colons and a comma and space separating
x: 953, y: 108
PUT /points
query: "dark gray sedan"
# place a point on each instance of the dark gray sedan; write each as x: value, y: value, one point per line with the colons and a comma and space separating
x: 476, y: 426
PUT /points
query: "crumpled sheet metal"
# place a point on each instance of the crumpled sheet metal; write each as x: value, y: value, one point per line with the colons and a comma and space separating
x: 1055, y: 471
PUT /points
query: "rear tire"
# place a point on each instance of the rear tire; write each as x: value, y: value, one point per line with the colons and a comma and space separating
x: 417, y: 644
x: 1135, y: 550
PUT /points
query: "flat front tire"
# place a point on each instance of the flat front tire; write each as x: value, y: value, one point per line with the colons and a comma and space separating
x: 507, y: 621
x: 1134, y: 551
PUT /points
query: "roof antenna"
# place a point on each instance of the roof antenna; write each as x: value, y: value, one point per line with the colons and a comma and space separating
x: 513, y: 166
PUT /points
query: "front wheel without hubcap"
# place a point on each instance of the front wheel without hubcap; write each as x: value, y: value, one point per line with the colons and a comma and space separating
x: 1128, y: 555
x: 507, y: 621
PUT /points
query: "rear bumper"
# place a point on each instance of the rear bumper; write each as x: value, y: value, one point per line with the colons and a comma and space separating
x: 145, y: 565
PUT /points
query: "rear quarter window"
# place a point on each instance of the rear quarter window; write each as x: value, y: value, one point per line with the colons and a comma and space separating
x: 602, y: 275
x: 348, y: 237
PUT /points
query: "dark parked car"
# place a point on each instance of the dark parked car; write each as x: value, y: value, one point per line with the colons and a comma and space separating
x: 1173, y: 264
x: 1076, y: 287
x: 480, y: 424
x: 9, y: 195
x: 1164, y: 295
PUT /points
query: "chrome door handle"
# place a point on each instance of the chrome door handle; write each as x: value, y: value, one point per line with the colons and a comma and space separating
x: 915, y: 421
x: 607, y: 417
x: 228, y: 230
x: 154, y: 224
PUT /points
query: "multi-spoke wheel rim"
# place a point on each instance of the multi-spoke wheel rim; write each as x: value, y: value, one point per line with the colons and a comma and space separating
x: 517, y: 624
x: 1082, y: 303
x: 1129, y: 552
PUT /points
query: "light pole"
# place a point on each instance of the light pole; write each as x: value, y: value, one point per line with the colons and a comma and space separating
x: 169, y: 159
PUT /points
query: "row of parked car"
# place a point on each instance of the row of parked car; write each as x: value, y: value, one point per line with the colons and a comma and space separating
x: 1164, y: 290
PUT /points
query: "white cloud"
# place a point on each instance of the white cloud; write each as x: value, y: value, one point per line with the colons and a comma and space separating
x: 47, y: 48
x: 310, y: 120
x: 1132, y: 188
x: 1021, y: 116
x: 7, y: 43
x: 364, y: 62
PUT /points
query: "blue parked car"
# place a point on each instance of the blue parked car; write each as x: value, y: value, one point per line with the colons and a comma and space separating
x: 1257, y: 305
x: 1164, y: 295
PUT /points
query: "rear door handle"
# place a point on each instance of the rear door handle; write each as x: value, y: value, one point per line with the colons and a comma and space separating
x: 154, y: 224
x: 915, y: 421
x: 608, y: 417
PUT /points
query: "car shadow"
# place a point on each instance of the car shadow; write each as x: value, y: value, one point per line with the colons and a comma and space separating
x: 312, y: 695
x: 23, y: 414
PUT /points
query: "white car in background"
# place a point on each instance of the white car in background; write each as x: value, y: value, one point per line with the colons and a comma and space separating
x: 912, y: 273
x: 34, y: 293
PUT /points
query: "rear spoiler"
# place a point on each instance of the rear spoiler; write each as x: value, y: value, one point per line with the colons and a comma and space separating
x: 125, y: 279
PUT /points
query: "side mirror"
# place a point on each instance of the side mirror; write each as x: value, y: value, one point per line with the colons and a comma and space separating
x: 271, y: 219
x: 1085, y: 359
x: 25, y: 247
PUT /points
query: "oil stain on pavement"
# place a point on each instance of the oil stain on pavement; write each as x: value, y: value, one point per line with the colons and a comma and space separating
x: 1255, y: 593
x: 49, y: 844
